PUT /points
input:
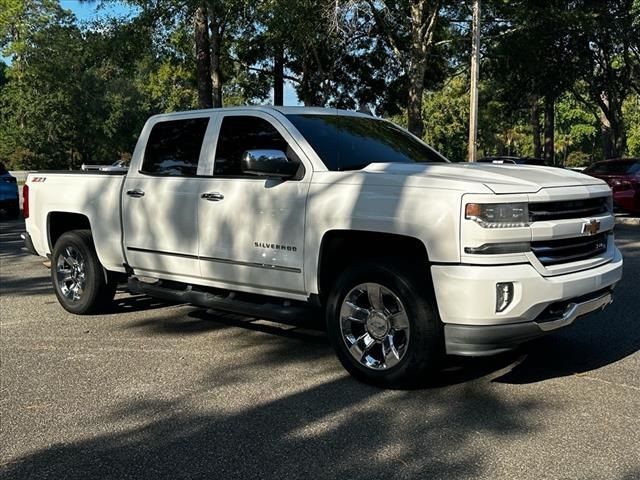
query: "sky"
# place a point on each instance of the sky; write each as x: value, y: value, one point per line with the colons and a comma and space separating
x: 88, y: 11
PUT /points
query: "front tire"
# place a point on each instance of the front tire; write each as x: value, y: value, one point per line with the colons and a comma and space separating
x: 77, y: 275
x: 383, y: 324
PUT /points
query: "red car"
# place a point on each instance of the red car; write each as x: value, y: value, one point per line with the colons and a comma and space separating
x: 623, y: 176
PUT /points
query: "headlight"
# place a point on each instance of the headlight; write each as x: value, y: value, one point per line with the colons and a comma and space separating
x: 498, y: 215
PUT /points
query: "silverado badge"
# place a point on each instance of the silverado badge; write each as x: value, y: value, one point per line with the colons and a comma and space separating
x: 591, y: 228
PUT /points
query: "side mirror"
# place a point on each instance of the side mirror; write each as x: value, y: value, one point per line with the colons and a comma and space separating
x: 268, y: 163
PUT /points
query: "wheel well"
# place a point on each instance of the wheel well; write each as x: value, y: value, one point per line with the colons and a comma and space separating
x: 340, y: 248
x: 61, y: 222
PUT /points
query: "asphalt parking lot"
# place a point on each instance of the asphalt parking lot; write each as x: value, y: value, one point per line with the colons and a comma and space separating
x: 153, y: 390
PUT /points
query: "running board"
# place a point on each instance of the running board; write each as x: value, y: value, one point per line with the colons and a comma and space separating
x: 262, y: 307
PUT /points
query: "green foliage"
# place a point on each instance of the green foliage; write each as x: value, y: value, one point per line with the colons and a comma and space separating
x: 73, y: 93
x: 631, y: 113
x: 576, y: 128
x: 578, y: 159
x: 446, y: 114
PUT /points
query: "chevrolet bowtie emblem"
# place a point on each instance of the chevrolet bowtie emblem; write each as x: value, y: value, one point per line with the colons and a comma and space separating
x: 591, y: 228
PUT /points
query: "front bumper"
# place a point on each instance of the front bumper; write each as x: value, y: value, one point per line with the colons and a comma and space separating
x: 482, y: 340
x: 466, y: 297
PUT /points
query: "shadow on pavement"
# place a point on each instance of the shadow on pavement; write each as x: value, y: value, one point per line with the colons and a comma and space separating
x: 330, y: 430
x: 136, y: 303
x: 27, y: 286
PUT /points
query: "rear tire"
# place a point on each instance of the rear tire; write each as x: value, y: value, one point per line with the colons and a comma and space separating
x: 375, y: 341
x: 77, y: 275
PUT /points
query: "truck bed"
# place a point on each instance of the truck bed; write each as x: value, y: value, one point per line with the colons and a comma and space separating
x: 54, y: 196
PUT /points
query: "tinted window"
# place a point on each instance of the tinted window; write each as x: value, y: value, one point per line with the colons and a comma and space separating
x: 346, y: 142
x: 615, y: 168
x: 241, y: 133
x: 173, y: 148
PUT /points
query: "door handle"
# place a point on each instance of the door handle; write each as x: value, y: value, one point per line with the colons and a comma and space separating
x: 212, y: 196
x: 136, y: 193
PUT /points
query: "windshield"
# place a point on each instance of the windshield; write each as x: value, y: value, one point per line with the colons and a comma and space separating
x: 345, y: 142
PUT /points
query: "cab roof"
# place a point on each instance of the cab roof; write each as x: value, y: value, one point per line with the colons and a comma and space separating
x: 270, y: 109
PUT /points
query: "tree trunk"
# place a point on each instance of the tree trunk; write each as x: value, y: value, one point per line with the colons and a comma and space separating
x: 549, y: 129
x: 417, y: 61
x: 278, y: 76
x: 608, y: 149
x: 414, y: 105
x: 203, y: 57
x: 614, y: 139
x: 216, y: 67
x: 424, y: 16
x: 535, y: 127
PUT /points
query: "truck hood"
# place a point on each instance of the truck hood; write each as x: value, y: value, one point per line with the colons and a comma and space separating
x: 498, y: 178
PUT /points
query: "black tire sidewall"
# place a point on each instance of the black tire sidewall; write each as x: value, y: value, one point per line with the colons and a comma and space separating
x: 95, y: 283
x: 413, y: 288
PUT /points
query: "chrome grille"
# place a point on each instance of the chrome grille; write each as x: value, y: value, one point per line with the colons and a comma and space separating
x: 551, y: 252
x: 587, y: 207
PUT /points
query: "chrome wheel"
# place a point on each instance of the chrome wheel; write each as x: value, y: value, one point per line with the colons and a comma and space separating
x: 375, y: 326
x: 71, y: 273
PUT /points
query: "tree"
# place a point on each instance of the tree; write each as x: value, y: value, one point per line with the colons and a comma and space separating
x: 408, y: 28
x: 534, y: 58
x: 203, y: 56
x: 631, y: 114
x: 609, y: 36
x: 69, y: 96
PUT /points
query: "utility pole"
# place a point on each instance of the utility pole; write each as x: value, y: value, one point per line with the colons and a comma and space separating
x: 475, y: 73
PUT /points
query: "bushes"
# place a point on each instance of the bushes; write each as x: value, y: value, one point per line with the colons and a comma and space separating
x: 578, y: 159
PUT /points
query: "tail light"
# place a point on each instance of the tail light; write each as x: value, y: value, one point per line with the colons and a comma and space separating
x: 25, y: 201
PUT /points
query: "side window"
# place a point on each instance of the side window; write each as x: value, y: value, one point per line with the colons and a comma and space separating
x: 241, y: 133
x: 173, y: 147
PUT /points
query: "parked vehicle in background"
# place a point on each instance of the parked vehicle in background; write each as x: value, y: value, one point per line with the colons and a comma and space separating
x: 9, y: 198
x: 508, y: 160
x: 282, y: 212
x: 117, y: 166
x: 623, y: 176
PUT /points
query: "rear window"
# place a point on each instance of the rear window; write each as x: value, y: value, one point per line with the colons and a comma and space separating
x: 615, y: 168
x: 345, y: 142
x: 173, y: 147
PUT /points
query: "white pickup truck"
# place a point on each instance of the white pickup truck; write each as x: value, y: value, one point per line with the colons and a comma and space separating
x: 285, y: 211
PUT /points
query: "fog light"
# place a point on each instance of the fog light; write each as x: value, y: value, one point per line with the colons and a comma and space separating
x: 504, y: 295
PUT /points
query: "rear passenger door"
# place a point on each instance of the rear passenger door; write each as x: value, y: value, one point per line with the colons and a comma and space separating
x: 251, y: 228
x: 160, y: 200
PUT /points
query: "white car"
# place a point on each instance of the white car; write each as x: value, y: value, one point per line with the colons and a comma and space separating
x: 117, y: 166
x: 279, y: 212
